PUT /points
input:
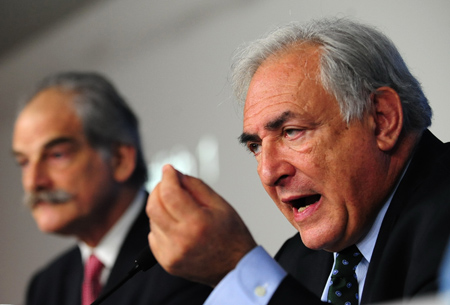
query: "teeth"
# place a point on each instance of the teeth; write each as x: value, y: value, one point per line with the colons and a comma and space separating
x: 301, y: 209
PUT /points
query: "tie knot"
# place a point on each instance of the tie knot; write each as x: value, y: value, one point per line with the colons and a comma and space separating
x: 346, y: 261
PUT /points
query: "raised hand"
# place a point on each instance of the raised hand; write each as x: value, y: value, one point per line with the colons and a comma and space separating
x: 195, y: 233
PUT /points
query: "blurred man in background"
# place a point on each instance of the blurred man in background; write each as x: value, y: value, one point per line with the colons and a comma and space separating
x: 83, y: 171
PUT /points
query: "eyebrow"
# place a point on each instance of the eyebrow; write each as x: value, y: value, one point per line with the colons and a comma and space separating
x: 50, y: 144
x: 57, y: 141
x: 271, y: 125
x: 279, y: 121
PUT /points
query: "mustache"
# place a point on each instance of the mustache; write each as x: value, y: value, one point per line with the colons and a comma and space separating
x: 54, y: 197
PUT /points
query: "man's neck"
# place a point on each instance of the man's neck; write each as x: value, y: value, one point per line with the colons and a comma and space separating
x: 105, y: 220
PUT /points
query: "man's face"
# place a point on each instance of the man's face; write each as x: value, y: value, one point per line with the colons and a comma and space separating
x: 322, y: 173
x: 54, y: 155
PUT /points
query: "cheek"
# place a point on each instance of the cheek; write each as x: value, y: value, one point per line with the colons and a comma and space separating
x: 74, y: 180
x: 94, y: 180
x: 334, y: 163
x: 316, y: 165
x: 85, y: 180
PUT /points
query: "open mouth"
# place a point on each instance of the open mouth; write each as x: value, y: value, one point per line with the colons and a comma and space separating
x: 301, y: 204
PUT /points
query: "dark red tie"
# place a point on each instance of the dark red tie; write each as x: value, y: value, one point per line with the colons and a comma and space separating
x: 91, y: 283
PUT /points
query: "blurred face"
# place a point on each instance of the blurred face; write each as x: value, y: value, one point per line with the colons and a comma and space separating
x: 322, y: 173
x: 69, y: 184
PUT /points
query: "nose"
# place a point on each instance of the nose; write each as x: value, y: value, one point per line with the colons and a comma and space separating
x: 274, y: 166
x: 35, y: 177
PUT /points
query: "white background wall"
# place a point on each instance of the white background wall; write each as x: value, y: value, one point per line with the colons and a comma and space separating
x: 171, y: 60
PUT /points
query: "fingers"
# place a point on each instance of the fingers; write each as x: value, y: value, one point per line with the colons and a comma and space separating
x: 173, y: 213
x: 163, y: 222
x: 202, y: 194
x: 156, y: 210
x: 179, y: 201
x: 192, y: 226
x: 169, y: 200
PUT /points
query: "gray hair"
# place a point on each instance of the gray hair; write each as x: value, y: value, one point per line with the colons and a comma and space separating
x: 106, y: 117
x: 356, y: 61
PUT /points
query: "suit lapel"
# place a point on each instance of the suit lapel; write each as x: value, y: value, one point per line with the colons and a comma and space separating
x: 134, y: 242
x: 428, y: 150
x: 73, y: 272
x: 297, y: 260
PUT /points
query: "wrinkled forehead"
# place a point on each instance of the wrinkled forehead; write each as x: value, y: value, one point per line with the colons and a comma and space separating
x: 48, y: 115
x: 286, y: 76
x: 285, y: 68
x: 51, y: 100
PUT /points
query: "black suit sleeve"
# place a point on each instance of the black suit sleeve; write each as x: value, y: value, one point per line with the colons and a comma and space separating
x: 291, y: 292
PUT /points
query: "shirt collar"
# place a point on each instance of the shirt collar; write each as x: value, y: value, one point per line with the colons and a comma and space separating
x: 367, y: 244
x: 108, y: 248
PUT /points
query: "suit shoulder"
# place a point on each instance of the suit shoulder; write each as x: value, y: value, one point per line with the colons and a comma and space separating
x: 61, y: 264
x: 58, y: 281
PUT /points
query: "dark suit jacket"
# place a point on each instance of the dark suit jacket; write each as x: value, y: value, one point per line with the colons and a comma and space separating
x: 60, y: 282
x: 410, y: 246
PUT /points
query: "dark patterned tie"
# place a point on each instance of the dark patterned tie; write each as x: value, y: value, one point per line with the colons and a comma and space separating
x: 344, y: 285
x: 91, y: 283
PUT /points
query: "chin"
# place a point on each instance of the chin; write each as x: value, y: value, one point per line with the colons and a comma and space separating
x: 51, y: 225
x: 49, y: 228
x: 314, y: 245
x: 317, y: 240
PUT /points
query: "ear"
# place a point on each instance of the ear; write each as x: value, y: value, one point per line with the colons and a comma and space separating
x: 123, y: 162
x: 388, y: 117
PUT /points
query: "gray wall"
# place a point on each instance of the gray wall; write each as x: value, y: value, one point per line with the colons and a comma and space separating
x: 171, y: 60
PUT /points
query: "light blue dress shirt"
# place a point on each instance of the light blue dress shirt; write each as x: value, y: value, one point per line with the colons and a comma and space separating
x: 253, y: 281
